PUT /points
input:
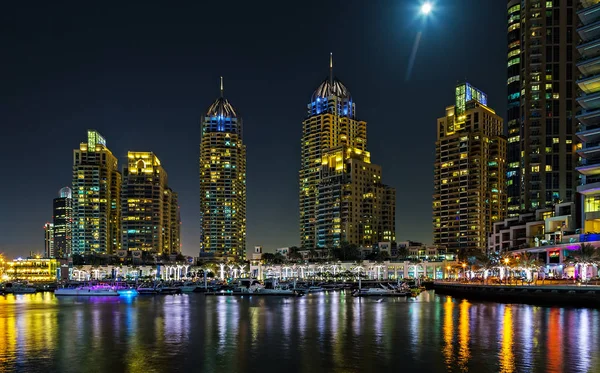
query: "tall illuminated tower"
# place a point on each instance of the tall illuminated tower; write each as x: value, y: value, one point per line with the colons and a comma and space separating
x: 342, y: 198
x: 470, y: 173
x: 63, y: 223
x: 48, y: 240
x: 542, y: 108
x: 588, y: 130
x: 96, y: 198
x: 222, y: 182
x: 147, y: 204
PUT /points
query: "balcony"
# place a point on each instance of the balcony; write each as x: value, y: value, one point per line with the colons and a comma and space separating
x: 591, y: 151
x: 589, y: 168
x: 590, y: 14
x: 589, y: 50
x: 591, y: 101
x: 590, y: 84
x: 589, y: 32
x: 591, y: 188
x: 589, y: 117
x: 590, y: 66
x: 589, y: 135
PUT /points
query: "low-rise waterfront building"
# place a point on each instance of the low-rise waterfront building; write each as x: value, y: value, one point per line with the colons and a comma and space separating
x: 32, y: 270
x: 542, y: 227
x: 369, y: 270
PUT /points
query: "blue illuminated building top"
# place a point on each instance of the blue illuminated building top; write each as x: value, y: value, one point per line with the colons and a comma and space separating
x: 465, y: 92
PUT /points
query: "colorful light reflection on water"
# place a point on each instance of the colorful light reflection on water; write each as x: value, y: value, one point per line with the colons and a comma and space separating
x: 331, y: 332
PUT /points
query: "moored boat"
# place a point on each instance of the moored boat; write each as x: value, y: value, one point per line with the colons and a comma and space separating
x: 90, y: 290
x: 18, y: 288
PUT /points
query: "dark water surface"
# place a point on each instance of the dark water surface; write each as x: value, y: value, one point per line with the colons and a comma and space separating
x: 324, y: 332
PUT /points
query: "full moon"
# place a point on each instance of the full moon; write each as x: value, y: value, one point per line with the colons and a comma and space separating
x: 426, y: 8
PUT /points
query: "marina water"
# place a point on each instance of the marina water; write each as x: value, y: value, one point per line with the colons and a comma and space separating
x: 331, y: 332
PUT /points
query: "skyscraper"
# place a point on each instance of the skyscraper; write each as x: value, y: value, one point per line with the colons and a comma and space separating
x: 96, y: 200
x: 63, y: 222
x: 147, y: 203
x: 222, y: 182
x: 470, y: 169
x: 342, y: 197
x: 541, y: 103
x: 588, y: 130
x: 48, y: 240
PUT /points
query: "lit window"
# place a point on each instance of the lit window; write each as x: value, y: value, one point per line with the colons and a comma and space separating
x: 535, y: 87
x: 548, y: 167
x: 535, y: 168
x: 555, y: 140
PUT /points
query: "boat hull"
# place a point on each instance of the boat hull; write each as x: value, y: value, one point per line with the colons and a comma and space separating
x: 85, y: 293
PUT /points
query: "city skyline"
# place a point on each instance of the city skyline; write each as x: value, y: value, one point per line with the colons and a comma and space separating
x: 401, y: 130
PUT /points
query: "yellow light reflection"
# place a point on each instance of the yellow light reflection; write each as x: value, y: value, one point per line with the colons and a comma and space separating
x: 448, y: 349
x: 464, y: 353
x: 507, y: 358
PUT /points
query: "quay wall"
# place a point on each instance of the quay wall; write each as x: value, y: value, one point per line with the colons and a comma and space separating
x: 569, y: 296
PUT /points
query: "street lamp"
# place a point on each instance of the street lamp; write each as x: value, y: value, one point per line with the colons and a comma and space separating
x: 448, y: 272
x: 464, y: 273
x: 506, y: 260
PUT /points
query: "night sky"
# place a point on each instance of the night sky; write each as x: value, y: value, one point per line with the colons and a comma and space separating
x: 144, y: 74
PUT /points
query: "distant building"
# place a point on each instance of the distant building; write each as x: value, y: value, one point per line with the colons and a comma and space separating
x: 542, y: 115
x: 49, y: 240
x: 63, y: 223
x: 285, y: 251
x: 222, y: 183
x: 96, y: 198
x: 342, y: 196
x: 469, y: 173
x: 150, y: 214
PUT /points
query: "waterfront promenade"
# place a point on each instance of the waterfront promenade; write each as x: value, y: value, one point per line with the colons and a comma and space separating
x: 553, y: 293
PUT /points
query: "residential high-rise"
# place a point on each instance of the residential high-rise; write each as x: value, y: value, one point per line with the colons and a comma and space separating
x: 147, y: 205
x: 470, y: 173
x: 63, y: 222
x: 342, y: 197
x: 48, y: 240
x: 588, y: 130
x: 541, y: 103
x: 222, y: 182
x: 96, y: 200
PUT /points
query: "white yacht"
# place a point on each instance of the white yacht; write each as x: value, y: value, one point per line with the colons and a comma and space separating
x: 148, y: 288
x: 89, y: 290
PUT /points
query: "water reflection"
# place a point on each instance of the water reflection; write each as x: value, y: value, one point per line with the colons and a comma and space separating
x: 330, y: 332
x: 507, y: 359
x: 448, y: 349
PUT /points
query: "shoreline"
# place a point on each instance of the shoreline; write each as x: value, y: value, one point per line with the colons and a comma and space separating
x: 542, y: 295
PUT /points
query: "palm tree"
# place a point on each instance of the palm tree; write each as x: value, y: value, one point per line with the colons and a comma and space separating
x: 529, y: 262
x: 586, y: 255
x: 486, y: 263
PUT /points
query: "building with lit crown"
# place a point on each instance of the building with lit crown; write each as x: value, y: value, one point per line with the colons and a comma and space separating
x: 96, y: 198
x: 150, y: 214
x: 542, y: 107
x: 342, y: 197
x: 588, y: 130
x: 470, y: 173
x: 62, y: 219
x: 222, y: 182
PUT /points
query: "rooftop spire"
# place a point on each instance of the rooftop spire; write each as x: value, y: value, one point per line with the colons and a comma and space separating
x: 221, y: 86
x: 331, y: 68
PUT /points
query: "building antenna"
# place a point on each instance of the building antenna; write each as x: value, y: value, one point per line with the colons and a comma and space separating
x: 331, y: 68
x: 221, y: 87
